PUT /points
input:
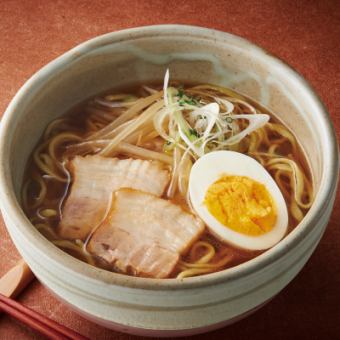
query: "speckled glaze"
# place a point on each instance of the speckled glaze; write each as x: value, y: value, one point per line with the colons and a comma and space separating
x: 166, y: 307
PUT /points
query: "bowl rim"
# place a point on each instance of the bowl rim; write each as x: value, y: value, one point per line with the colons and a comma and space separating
x: 10, y: 205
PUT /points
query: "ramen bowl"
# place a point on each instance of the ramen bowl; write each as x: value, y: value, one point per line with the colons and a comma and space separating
x: 166, y: 307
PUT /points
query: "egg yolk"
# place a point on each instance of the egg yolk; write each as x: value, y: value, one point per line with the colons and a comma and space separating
x: 241, y: 204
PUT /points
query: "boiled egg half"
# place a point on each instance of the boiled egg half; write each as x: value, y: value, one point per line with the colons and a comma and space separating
x: 238, y: 200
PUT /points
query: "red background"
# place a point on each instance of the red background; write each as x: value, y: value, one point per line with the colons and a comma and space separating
x: 306, y: 34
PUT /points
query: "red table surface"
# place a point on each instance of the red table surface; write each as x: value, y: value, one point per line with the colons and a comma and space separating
x: 306, y: 34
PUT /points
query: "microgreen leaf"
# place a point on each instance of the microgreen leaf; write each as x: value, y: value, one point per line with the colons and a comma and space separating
x: 193, y: 132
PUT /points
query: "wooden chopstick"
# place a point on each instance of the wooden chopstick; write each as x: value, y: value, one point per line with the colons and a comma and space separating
x: 39, y: 322
x: 16, y: 279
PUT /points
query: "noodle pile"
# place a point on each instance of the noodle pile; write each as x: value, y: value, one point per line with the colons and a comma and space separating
x: 169, y: 126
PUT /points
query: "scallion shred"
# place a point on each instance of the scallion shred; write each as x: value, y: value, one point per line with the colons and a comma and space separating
x: 200, y: 127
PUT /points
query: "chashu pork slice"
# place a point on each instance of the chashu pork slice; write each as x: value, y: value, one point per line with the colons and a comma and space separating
x: 144, y: 234
x: 94, y: 179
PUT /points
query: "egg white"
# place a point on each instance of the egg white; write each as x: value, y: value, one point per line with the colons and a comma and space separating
x: 211, y: 167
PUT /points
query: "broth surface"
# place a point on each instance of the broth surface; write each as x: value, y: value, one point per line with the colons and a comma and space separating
x: 44, y: 196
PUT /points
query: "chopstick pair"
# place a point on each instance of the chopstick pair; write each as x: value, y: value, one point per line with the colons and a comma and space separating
x: 42, y: 324
x: 11, y: 284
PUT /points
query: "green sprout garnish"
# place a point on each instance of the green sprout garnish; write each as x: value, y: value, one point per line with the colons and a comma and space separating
x: 193, y: 132
x: 186, y: 99
x: 180, y: 92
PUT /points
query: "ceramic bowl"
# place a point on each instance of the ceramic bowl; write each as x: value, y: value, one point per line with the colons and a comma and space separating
x: 166, y: 307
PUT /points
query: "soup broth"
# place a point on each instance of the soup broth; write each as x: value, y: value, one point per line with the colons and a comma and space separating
x: 95, y: 127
